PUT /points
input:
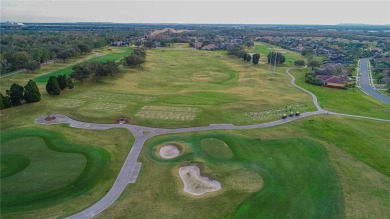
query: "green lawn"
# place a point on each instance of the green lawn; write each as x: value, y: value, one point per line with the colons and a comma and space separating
x: 308, y: 170
x: 57, y: 170
x: 216, y: 148
x: 54, y: 177
x: 352, y: 101
x: 298, y: 180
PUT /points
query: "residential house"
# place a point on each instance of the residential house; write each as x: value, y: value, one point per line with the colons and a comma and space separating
x: 333, y: 81
x: 197, y: 45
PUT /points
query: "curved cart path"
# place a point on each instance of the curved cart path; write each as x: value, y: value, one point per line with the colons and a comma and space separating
x: 131, y: 167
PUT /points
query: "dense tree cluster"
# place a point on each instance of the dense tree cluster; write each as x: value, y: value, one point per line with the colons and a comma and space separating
x: 17, y: 94
x: 239, y: 51
x: 137, y: 58
x: 247, y: 57
x: 236, y: 50
x: 312, y: 78
x: 256, y: 58
x: 299, y: 63
x: 276, y: 56
x: 314, y: 64
x: 29, y: 49
x: 55, y: 84
x: 89, y: 71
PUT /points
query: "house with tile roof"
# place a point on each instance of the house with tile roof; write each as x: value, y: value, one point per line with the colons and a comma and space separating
x: 333, y: 81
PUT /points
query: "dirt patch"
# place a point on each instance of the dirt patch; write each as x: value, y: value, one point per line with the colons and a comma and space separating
x: 194, y: 183
x: 169, y: 151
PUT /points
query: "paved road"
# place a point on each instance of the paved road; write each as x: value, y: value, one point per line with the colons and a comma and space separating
x: 366, y: 85
x: 131, y: 167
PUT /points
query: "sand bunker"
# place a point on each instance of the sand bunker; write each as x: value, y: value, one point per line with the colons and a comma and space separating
x: 169, y: 151
x: 194, y: 183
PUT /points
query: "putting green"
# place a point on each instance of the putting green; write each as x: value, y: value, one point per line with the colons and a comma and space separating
x: 41, y: 168
x: 12, y: 164
x: 216, y: 148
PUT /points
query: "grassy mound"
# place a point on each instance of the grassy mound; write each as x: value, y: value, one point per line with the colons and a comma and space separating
x: 58, y: 170
x: 12, y: 164
x: 216, y: 148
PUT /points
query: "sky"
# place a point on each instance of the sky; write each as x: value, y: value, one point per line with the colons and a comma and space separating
x: 201, y: 11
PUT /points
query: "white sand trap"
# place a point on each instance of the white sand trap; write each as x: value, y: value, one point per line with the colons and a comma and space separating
x: 194, y: 183
x: 169, y: 151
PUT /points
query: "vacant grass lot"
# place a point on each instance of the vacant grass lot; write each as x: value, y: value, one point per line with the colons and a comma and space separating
x: 351, y: 101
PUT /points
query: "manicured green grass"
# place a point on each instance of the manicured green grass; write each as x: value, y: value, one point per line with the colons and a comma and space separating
x: 62, y: 177
x: 264, y: 49
x: 216, y: 148
x: 57, y: 170
x: 359, y: 152
x: 355, y: 139
x: 309, y: 171
x: 352, y: 101
x: 12, y: 164
x: 115, y: 56
x: 299, y: 180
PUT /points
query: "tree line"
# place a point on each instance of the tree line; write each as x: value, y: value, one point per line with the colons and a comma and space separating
x: 57, y: 83
x: 29, y: 49
x: 18, y: 94
x: 239, y: 51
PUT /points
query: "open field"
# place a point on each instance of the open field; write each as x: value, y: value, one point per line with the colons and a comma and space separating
x: 302, y: 169
x: 352, y: 101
